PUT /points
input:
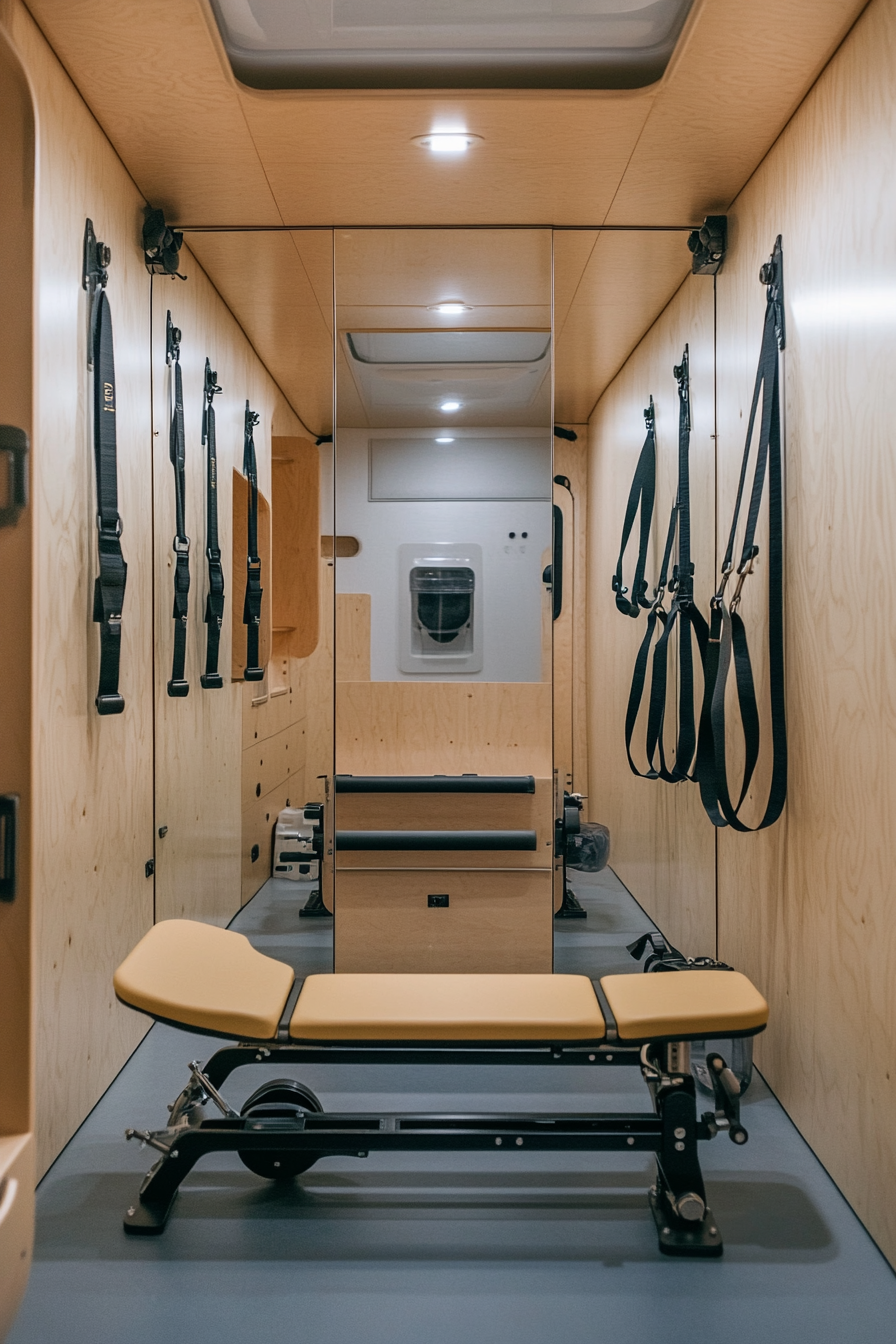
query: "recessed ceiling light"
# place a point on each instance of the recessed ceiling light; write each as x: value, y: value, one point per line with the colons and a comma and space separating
x: 444, y: 440
x: 447, y: 142
x: 450, y: 406
x: 450, y: 308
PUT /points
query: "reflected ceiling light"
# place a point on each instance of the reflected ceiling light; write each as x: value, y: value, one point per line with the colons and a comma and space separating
x: 444, y: 440
x: 450, y: 307
x: 447, y: 142
x: 450, y: 406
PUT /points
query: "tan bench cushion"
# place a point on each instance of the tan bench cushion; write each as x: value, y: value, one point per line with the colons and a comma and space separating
x: 682, y: 1004
x: 202, y: 976
x: 447, y: 1008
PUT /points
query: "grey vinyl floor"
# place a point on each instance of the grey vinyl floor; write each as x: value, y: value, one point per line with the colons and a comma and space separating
x: 485, y: 1249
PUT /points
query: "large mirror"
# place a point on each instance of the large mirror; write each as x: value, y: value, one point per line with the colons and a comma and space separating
x: 444, y: 603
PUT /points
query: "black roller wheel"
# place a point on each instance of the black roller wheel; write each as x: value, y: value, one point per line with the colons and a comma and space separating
x: 282, y: 1099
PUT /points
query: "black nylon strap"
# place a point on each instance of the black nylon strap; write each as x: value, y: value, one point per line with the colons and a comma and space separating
x: 684, y: 616
x: 108, y: 590
x: 728, y: 637
x: 252, y: 601
x: 177, y: 451
x: 641, y: 495
x: 211, y: 678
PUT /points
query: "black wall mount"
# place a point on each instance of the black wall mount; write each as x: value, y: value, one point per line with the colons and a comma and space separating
x: 708, y: 245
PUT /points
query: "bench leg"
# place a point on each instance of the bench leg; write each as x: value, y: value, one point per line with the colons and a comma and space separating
x: 685, y: 1224
x: 148, y: 1215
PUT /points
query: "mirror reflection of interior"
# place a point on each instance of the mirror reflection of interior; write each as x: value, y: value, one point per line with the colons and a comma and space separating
x: 444, y: 478
x: 447, y: 739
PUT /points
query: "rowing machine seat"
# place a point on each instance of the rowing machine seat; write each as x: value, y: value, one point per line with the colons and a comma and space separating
x: 196, y: 975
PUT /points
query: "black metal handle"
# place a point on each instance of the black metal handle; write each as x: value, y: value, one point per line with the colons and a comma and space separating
x: 435, y: 784
x: 9, y: 827
x: 14, y: 442
x: 436, y: 840
x: 557, y: 562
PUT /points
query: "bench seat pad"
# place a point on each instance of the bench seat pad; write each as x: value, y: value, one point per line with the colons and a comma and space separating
x: 200, y: 976
x: 682, y: 1005
x: 348, y: 1007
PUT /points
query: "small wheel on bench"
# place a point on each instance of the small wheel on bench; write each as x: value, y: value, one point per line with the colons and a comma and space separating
x: 281, y: 1098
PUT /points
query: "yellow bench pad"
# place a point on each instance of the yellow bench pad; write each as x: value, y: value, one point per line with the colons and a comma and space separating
x: 202, y: 976
x: 447, y: 1008
x: 683, y: 1004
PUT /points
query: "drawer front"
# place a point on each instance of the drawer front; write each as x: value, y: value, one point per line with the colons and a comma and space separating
x: 398, y: 921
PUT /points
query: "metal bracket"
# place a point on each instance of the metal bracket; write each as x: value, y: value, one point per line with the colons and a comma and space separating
x: 708, y: 245
x: 161, y: 246
x: 771, y: 273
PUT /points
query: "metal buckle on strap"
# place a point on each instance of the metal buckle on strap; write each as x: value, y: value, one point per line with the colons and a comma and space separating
x: 107, y: 532
x: 742, y: 574
x: 181, y: 545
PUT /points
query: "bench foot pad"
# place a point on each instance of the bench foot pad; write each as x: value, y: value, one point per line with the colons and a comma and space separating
x: 678, y: 1237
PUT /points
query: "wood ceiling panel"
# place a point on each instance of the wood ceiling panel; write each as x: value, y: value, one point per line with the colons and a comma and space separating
x: 735, y: 81
x: 293, y: 336
x: 629, y: 279
x: 333, y: 158
x: 210, y: 151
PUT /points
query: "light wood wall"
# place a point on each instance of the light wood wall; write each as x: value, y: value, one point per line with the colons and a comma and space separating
x: 198, y: 738
x: 92, y: 776
x: 662, y: 846
x: 16, y: 404
x: 805, y: 908
x: 569, y: 630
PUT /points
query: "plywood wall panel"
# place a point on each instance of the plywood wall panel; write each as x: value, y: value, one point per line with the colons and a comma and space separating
x: 570, y: 653
x: 806, y: 907
x: 92, y: 776
x: 427, y: 728
x: 663, y: 847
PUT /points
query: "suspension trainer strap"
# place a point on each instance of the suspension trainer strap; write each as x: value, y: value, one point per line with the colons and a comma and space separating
x: 108, y: 590
x: 252, y: 602
x: 728, y: 636
x: 641, y: 496
x: 211, y: 678
x: 178, y: 687
x: 683, y: 615
x: 656, y: 617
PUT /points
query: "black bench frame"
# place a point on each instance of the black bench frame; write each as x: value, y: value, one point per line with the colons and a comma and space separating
x: 672, y: 1130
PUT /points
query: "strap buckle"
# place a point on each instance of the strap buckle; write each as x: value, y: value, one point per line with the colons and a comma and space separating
x: 181, y: 545
x: 742, y: 575
x: 106, y: 531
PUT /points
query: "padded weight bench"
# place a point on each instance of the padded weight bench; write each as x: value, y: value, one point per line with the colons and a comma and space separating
x: 204, y: 979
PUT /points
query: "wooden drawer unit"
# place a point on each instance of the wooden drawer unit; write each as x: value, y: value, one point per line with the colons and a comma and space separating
x: 397, y: 920
x: 432, y: 804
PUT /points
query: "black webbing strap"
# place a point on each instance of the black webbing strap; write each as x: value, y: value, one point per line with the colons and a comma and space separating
x: 178, y: 687
x: 728, y: 636
x: 683, y: 615
x: 211, y: 678
x: 108, y: 590
x: 641, y: 496
x: 252, y: 602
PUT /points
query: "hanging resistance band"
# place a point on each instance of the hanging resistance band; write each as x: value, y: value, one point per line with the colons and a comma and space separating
x: 683, y: 615
x: 728, y: 636
x: 252, y: 602
x: 640, y: 496
x: 211, y: 678
x: 177, y: 451
x: 108, y: 590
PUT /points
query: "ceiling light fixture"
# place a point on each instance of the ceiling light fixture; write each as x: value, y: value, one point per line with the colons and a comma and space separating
x: 450, y: 308
x: 450, y: 406
x: 447, y: 142
x: 444, y: 440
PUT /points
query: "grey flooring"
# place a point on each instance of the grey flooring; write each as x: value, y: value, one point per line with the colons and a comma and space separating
x: 484, y: 1249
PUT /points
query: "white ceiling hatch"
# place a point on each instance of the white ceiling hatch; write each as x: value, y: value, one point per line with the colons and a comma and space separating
x: 357, y: 44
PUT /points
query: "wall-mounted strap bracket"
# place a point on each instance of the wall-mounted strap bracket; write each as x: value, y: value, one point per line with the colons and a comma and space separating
x: 708, y: 245
x: 94, y: 278
x: 161, y: 246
